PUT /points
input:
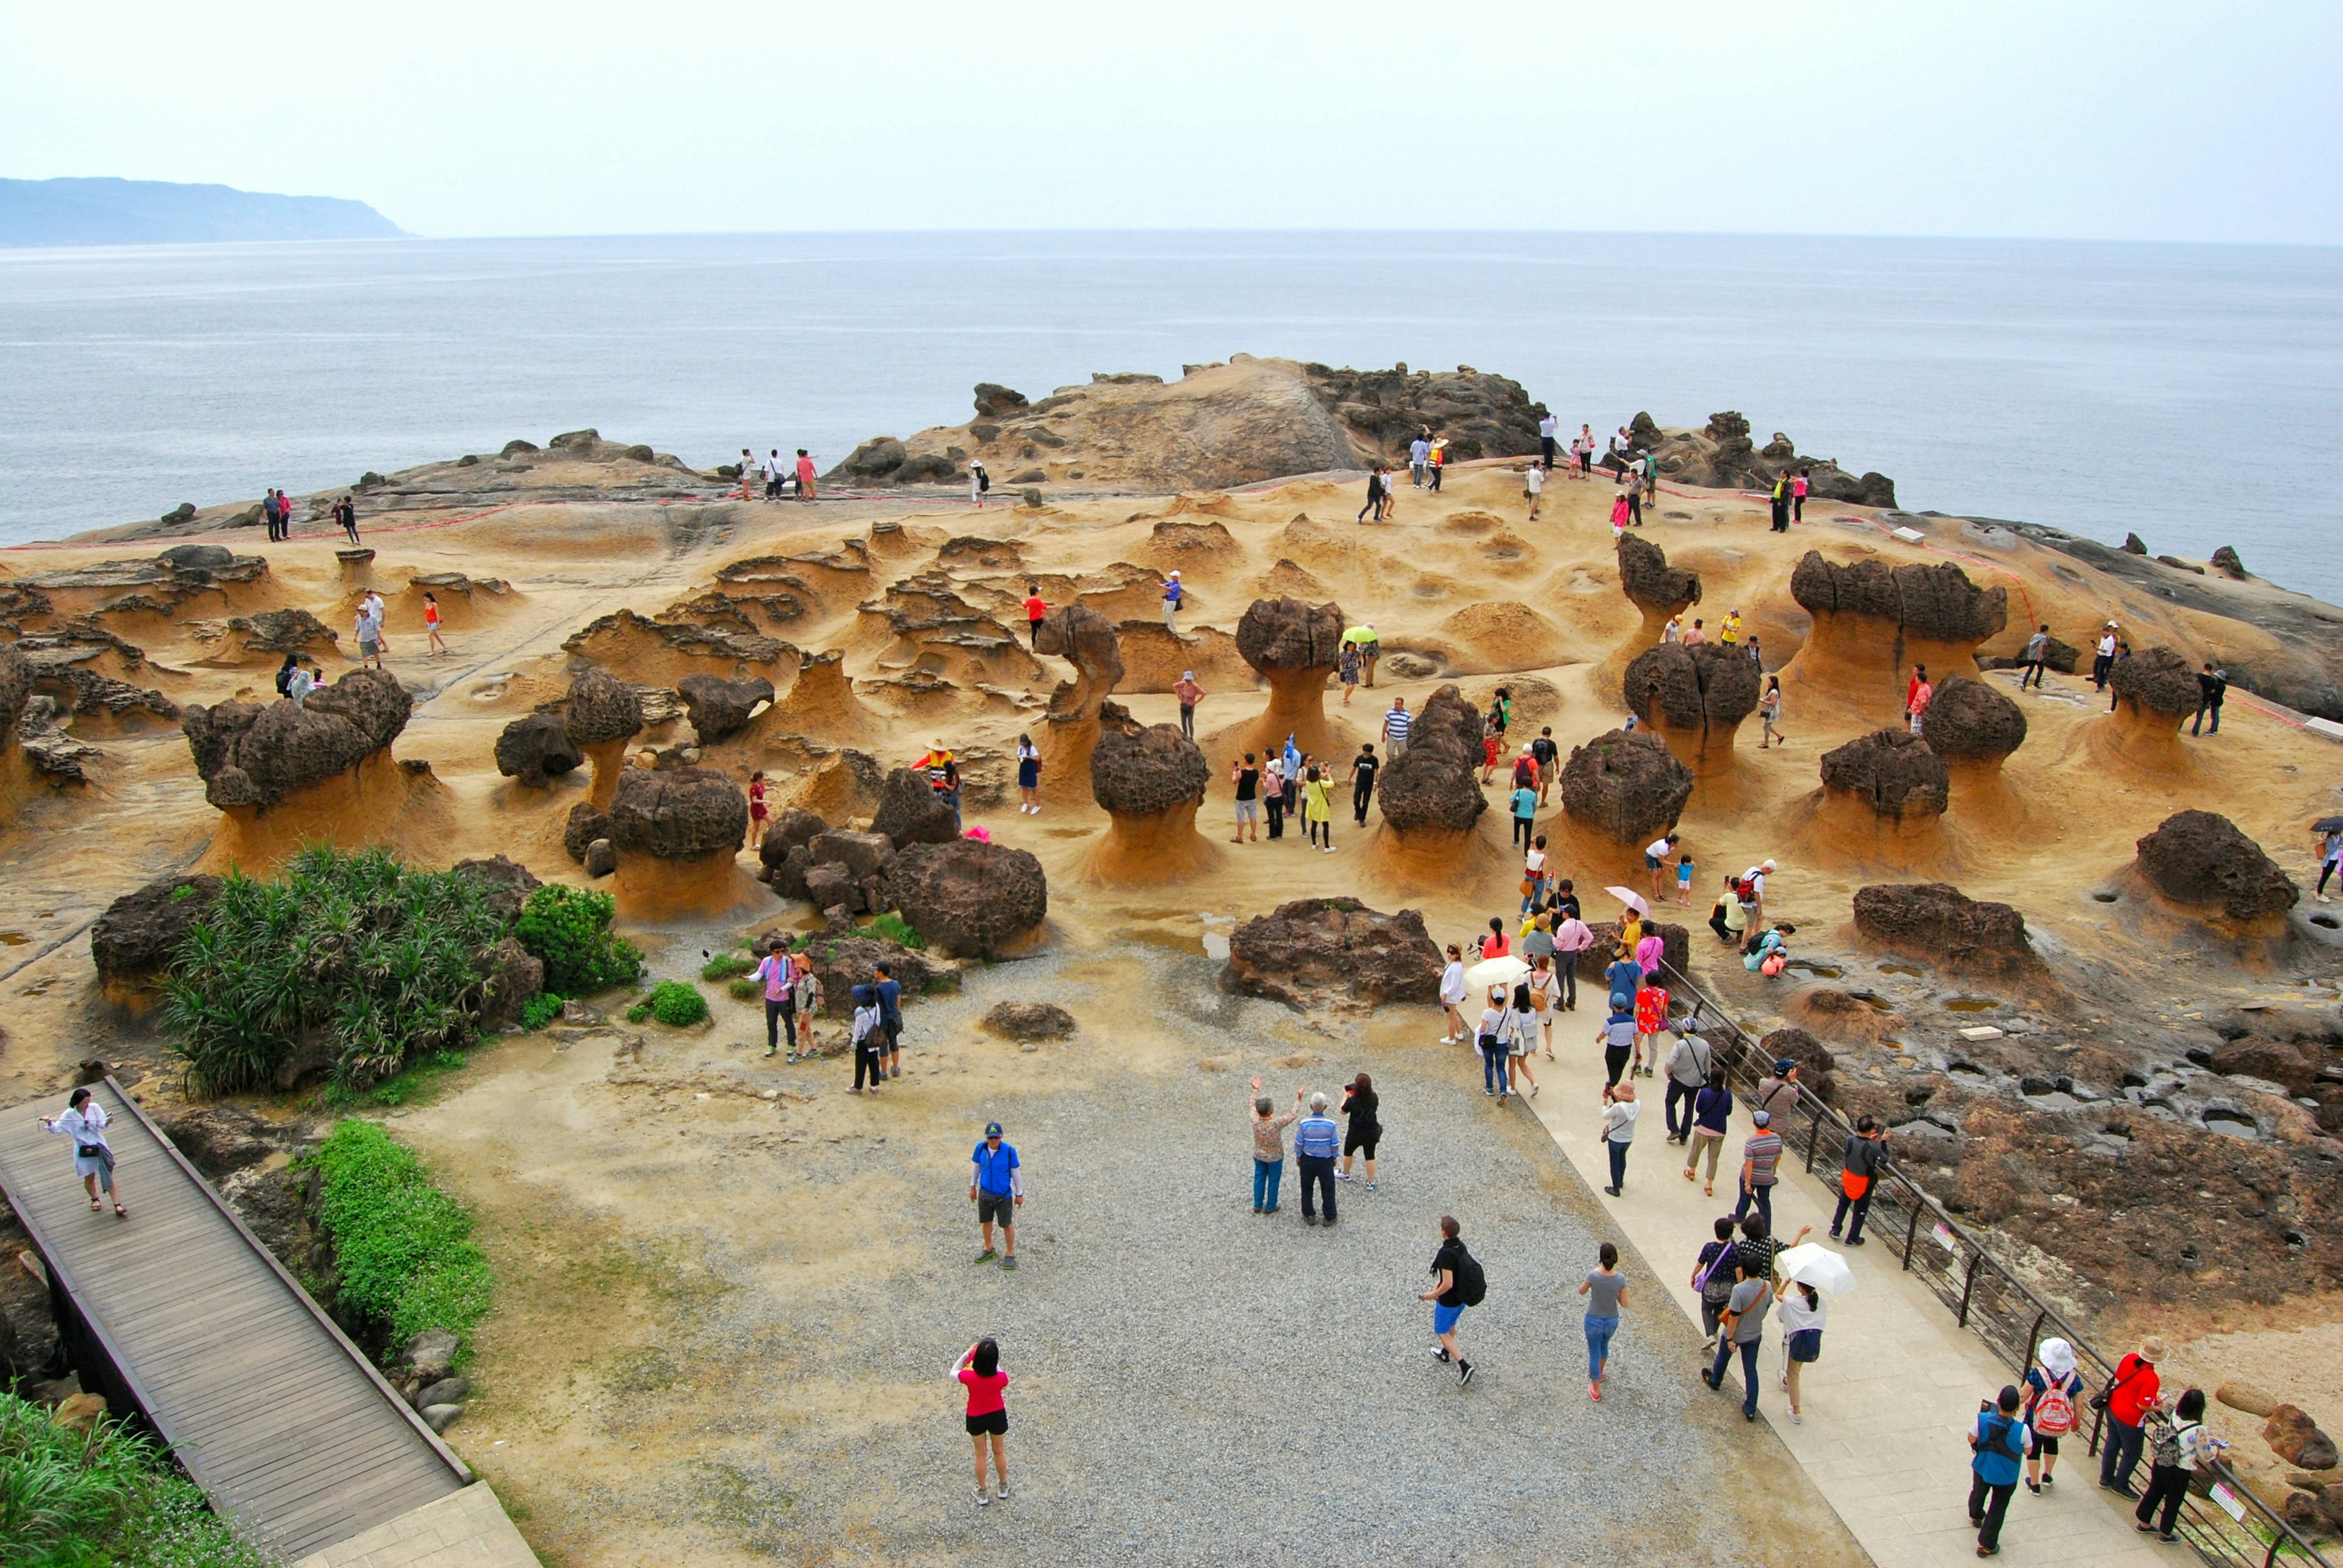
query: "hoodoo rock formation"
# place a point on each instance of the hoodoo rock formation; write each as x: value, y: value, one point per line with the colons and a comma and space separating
x: 721, y: 709
x: 820, y: 703
x: 2200, y: 862
x: 534, y: 748
x: 677, y: 831
x: 969, y: 898
x: 1086, y: 640
x: 1317, y: 952
x: 1657, y: 588
x: 1972, y: 726
x: 1623, y: 788
x: 1431, y: 792
x: 602, y: 715
x: 1873, y: 622
x: 1884, y: 795
x: 1693, y: 698
x: 1938, y: 924
x: 2153, y: 691
x: 1151, y: 780
x: 1294, y: 647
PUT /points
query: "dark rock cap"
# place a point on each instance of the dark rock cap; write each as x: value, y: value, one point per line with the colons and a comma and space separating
x: 1939, y: 602
x: 969, y: 898
x: 1691, y: 688
x: 1435, y: 783
x: 2201, y: 859
x: 1139, y: 769
x: 134, y: 940
x: 603, y: 708
x: 677, y: 814
x: 1647, y: 579
x: 720, y: 707
x: 911, y: 813
x: 1892, y: 770
x: 1311, y: 951
x: 1287, y: 633
x: 534, y: 747
x: 1969, y: 721
x: 1939, y: 921
x: 254, y: 756
x: 2159, y: 681
x: 1627, y: 785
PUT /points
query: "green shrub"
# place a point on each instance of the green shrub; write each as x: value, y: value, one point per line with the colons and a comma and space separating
x: 898, y: 930
x: 724, y: 966
x: 404, y: 1247
x: 539, y: 1010
x: 638, y: 1012
x: 107, y: 1496
x: 570, y: 930
x: 677, y: 1003
x: 745, y: 990
x: 381, y: 963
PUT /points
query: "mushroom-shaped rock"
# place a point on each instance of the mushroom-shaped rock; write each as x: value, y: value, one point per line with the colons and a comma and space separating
x: 1085, y: 638
x: 1693, y: 698
x: 1624, y: 786
x: 1294, y: 647
x: 1938, y: 923
x: 1891, y: 771
x: 1657, y: 588
x: 968, y: 897
x: 603, y: 714
x: 1028, y: 1021
x: 909, y: 812
x: 1434, y: 786
x: 720, y: 709
x: 253, y: 757
x: 535, y: 747
x: 1150, y: 779
x: 1313, y: 953
x: 507, y: 883
x: 2199, y: 859
x: 1872, y: 622
x: 2154, y: 690
x: 134, y: 941
x: 677, y: 814
x: 1970, y: 722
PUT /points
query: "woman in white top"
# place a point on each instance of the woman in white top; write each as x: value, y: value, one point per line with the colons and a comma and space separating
x: 1802, y: 1313
x: 1452, y: 997
x: 1491, y: 1039
x: 85, y: 1122
x: 1546, y: 998
x: 1522, y: 1035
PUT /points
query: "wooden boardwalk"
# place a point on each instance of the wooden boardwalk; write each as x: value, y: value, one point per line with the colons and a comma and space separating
x: 281, y: 1421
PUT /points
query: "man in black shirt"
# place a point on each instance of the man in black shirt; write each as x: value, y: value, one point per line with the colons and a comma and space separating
x: 1543, y: 751
x: 2212, y: 687
x: 1452, y: 1266
x: 1247, y: 775
x: 1362, y: 781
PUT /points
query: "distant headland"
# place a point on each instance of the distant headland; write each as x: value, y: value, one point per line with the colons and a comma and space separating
x: 157, y: 212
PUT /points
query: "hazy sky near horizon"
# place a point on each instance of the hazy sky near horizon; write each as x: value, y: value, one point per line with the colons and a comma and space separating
x: 2100, y: 119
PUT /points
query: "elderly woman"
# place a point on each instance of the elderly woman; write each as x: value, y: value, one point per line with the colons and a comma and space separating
x: 1269, y: 1148
x: 85, y: 1122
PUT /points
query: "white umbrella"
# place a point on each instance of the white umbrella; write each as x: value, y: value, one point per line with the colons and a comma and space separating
x: 1632, y: 898
x: 1816, y: 1265
x: 1495, y: 971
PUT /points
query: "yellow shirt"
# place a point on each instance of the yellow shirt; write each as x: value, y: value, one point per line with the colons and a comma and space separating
x: 1313, y: 801
x: 1732, y: 632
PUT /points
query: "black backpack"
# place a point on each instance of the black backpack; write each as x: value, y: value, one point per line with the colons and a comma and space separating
x: 1471, y: 1283
x: 983, y: 480
x: 284, y: 678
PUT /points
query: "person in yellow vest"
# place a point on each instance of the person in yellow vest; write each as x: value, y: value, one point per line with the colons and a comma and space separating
x: 1730, y: 632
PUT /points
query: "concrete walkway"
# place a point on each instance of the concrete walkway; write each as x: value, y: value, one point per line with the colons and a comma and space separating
x: 1889, y: 1406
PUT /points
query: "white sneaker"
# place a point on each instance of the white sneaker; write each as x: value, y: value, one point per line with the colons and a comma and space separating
x: 983, y: 1501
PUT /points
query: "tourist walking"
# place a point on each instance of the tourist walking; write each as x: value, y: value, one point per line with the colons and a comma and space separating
x: 1741, y: 1328
x: 2037, y: 654
x: 2212, y: 690
x: 1490, y: 1037
x: 809, y: 999
x: 1269, y: 1148
x: 1617, y: 1038
x: 2184, y: 1450
x: 2104, y: 659
x: 345, y: 513
x: 1802, y: 1313
x: 1713, y: 1279
x: 1171, y: 595
x: 1545, y: 990
x: 1028, y: 777
x: 1996, y: 1445
x: 979, y: 1372
x: 1620, y: 1112
x: 1712, y: 1116
x: 1037, y: 610
x: 1684, y: 881
x: 369, y: 631
x: 1779, y: 1092
x: 1317, y: 1141
x: 1346, y: 671
x: 1439, y: 459
x: 1571, y: 940
x: 1522, y: 1035
x: 1374, y: 494
x: 434, y: 644
x: 1453, y: 993
x: 1918, y: 696
x: 1761, y: 1158
x: 1317, y: 812
x: 1525, y: 804
x: 1458, y: 1281
x: 1363, y: 781
x: 1396, y: 724
x: 1690, y: 1061
x: 1605, y: 1291
x: 1769, y: 713
x: 1419, y: 454
x: 1534, y: 872
x: 84, y: 1122
x: 2128, y: 1397
x: 1245, y: 774
x: 1858, y: 1170
x: 777, y: 972
x: 997, y: 1187
x: 1190, y: 694
x: 1543, y: 752
x: 869, y: 1040
x: 979, y: 482
x: 805, y: 475
x: 1533, y: 481
x: 1363, y: 1126
x: 889, y: 991
x: 1651, y: 1020
x: 2054, y: 1396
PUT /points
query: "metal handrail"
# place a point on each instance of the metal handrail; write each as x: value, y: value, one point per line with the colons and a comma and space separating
x: 2228, y: 1523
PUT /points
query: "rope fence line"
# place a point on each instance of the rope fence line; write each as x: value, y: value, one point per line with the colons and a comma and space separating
x: 2222, y: 1518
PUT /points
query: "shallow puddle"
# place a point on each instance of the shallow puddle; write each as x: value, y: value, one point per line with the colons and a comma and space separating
x: 1171, y: 942
x: 1819, y: 972
x: 1970, y: 1004
x: 13, y: 939
x: 1905, y: 970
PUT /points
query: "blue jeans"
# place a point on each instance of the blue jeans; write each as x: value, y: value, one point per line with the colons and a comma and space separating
x: 1494, y: 1072
x: 1598, y: 1346
x: 1266, y: 1176
x: 1618, y: 1167
x: 1748, y: 1372
x: 1759, y: 1197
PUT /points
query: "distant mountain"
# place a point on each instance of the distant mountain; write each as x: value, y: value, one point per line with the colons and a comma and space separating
x: 154, y: 212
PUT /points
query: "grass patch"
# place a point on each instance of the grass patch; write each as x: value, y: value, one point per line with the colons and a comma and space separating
x: 107, y: 1496
x: 677, y: 1003
x: 404, y: 1247
x: 724, y: 966
x: 419, y: 1084
x: 744, y: 989
x: 539, y: 1010
x: 570, y: 930
x: 898, y: 930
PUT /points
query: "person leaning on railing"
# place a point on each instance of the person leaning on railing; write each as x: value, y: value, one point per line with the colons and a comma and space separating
x: 2183, y: 1450
x: 2128, y: 1399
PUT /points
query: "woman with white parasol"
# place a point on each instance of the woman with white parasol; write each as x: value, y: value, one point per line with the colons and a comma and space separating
x: 1812, y: 1272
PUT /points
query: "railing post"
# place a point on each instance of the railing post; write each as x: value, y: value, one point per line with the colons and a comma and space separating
x: 1814, y: 1137
x: 2034, y: 1336
x: 1911, y: 1236
x: 1968, y: 1283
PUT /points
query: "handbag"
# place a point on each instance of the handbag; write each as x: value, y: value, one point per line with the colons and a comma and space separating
x: 1528, y: 886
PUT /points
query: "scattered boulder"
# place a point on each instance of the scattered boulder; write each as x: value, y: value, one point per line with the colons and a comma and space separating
x: 534, y: 748
x: 968, y: 897
x: 1434, y: 786
x: 251, y: 755
x: 601, y: 858
x: 1029, y: 1020
x: 677, y: 814
x: 793, y: 829
x: 720, y: 709
x: 2134, y: 545
x: 587, y: 822
x: 2249, y: 1398
x: 1938, y: 923
x: 2225, y: 561
x: 133, y: 942
x: 283, y: 631
x: 429, y: 1355
x: 2199, y: 859
x: 2295, y: 1438
x: 446, y: 1391
x: 910, y: 812
x: 514, y: 976
x: 994, y: 401
x: 1692, y: 697
x: 1625, y: 785
x: 1723, y: 455
x: 829, y: 886
x: 2271, y: 1060
x: 440, y: 1417
x: 842, y: 960
x: 271, y: 1204
x: 1313, y: 953
x: 1969, y: 721
x: 1892, y: 771
x: 602, y: 707
x: 507, y: 883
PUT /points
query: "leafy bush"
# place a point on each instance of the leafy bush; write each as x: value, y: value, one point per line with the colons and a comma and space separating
x: 675, y: 1003
x: 107, y: 1496
x: 404, y: 1247
x: 539, y: 1010
x: 898, y: 930
x: 570, y: 930
x: 724, y: 966
x: 380, y: 963
x: 745, y: 990
x: 638, y: 1012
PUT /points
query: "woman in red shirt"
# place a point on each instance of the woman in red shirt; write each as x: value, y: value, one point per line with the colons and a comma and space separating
x: 988, y: 1412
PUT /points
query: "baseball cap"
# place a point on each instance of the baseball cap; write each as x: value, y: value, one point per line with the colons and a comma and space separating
x: 992, y: 1130
x: 1782, y: 1064
x: 1761, y: 1118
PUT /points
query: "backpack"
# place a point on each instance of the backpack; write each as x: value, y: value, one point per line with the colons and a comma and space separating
x: 284, y: 679
x: 2053, y: 1412
x: 1471, y: 1282
x: 1998, y: 1442
x: 983, y: 481
x: 1773, y: 965
x: 2168, y: 1445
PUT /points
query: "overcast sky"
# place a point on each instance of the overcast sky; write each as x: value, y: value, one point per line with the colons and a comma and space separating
x: 2135, y: 119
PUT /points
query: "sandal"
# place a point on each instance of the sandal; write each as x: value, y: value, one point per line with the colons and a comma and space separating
x: 94, y: 1206
x: 120, y: 1212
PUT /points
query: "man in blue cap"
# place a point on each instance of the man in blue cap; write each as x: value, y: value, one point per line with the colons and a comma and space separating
x: 998, y: 1190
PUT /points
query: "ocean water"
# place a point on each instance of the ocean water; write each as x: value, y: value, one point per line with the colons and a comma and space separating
x: 2193, y: 393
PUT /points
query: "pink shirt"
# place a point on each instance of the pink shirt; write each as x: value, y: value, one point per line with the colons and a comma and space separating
x: 1647, y: 953
x: 984, y: 1393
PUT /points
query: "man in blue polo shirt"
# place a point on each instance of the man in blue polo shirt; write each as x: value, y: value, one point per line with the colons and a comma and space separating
x: 998, y: 1190
x: 1316, y: 1142
x: 889, y: 992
